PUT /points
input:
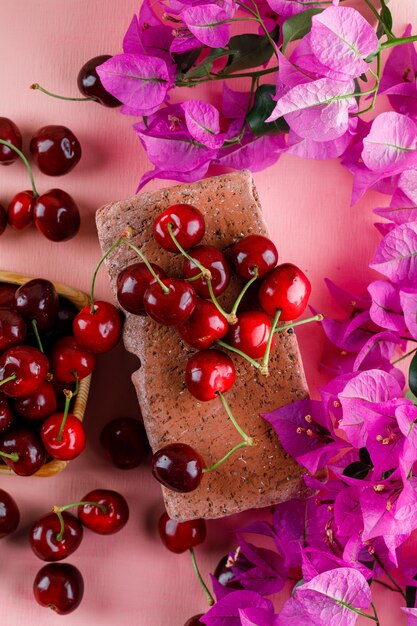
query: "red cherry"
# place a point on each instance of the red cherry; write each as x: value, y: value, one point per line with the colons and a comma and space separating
x: 9, y: 132
x: 38, y: 300
x: 55, y: 149
x: 253, y: 251
x: 20, y: 212
x: 188, y: 227
x: 99, y: 331
x: 6, y: 415
x: 43, y: 536
x: 12, y: 329
x: 70, y: 360
x: 7, y: 295
x: 285, y: 288
x: 60, y: 587
x: 9, y: 514
x: 72, y: 440
x: 3, y: 219
x: 250, y: 334
x: 107, y: 519
x: 29, y: 368
x: 26, y: 444
x: 39, y: 405
x: 209, y: 372
x: 204, y: 326
x: 90, y: 85
x: 178, y: 467
x: 225, y: 575
x: 132, y: 282
x: 195, y: 620
x: 125, y: 441
x: 214, y: 260
x: 56, y: 215
x: 179, y: 537
x: 171, y: 308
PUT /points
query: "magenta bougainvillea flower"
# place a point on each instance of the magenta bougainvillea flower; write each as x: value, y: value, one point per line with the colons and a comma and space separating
x: 398, y: 80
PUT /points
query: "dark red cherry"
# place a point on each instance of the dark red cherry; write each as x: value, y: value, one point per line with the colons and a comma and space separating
x: 9, y: 132
x: 179, y: 537
x: 69, y: 360
x: 132, y: 282
x: 214, y: 260
x: 60, y: 587
x: 188, y: 227
x: 195, y: 620
x: 29, y: 368
x: 12, y: 329
x: 125, y: 442
x: 56, y: 215
x: 178, y: 466
x: 286, y: 288
x: 20, y: 212
x: 225, y: 575
x: 204, y: 326
x: 72, y: 440
x: 9, y: 514
x: 3, y: 219
x: 253, y: 251
x: 171, y: 308
x: 209, y: 372
x: 107, y: 519
x: 27, y: 446
x: 251, y: 333
x: 66, y: 314
x: 99, y: 331
x: 39, y: 405
x: 90, y: 85
x: 7, y: 292
x: 6, y: 415
x: 43, y: 536
x: 38, y: 300
x: 55, y: 149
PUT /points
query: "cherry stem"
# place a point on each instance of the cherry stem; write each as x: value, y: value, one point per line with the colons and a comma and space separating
x: 209, y: 597
x: 25, y: 161
x: 37, y: 87
x: 238, y: 446
x: 77, y: 382
x: 68, y: 397
x: 38, y: 339
x: 264, y: 367
x: 193, y: 278
x: 99, y: 264
x: 60, y: 535
x: 225, y: 345
x: 8, y: 379
x: 65, y: 507
x: 13, y: 456
x: 140, y: 254
x: 248, y: 440
x: 230, y: 317
x: 244, y: 290
x: 206, y: 273
x: 316, y: 318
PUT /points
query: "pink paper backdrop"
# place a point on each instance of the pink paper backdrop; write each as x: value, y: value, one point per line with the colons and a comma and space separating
x: 130, y: 578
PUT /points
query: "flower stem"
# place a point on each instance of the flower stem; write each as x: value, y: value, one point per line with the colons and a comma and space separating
x: 37, y: 87
x: 375, y: 614
x: 223, y: 344
x: 242, y: 444
x: 388, y: 32
x: 264, y: 366
x: 248, y: 440
x: 316, y: 318
x: 204, y: 587
x: 25, y: 161
x: 397, y: 42
x: 38, y: 339
x: 187, y: 83
x: 404, y: 356
x: 377, y: 77
x: 388, y: 575
x: 244, y: 290
x: 8, y: 379
x: 140, y: 254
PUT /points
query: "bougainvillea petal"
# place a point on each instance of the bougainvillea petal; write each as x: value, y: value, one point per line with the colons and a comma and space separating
x: 391, y: 143
x: 396, y: 255
x: 379, y: 348
x: 253, y: 153
x: 411, y: 615
x: 203, y: 123
x: 288, y: 8
x: 321, y: 150
x: 209, y: 24
x: 398, y: 78
x: 226, y: 611
x: 408, y: 300
x: 400, y: 211
x: 386, y: 310
x: 408, y: 184
x: 258, y: 617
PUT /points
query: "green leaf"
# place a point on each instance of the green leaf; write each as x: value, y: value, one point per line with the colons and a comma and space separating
x: 249, y: 51
x: 186, y: 60
x: 386, y: 14
x: 357, y: 470
x: 297, y: 26
x: 412, y: 375
x: 204, y: 68
x: 410, y: 396
x: 262, y: 108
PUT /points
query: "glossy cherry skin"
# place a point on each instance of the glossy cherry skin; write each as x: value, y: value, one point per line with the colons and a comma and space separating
x: 104, y: 522
x: 286, y: 288
x: 70, y: 360
x: 6, y: 415
x: 132, y: 282
x: 3, y: 219
x: 125, y: 442
x: 60, y: 587
x: 225, y: 574
x: 43, y: 536
x: 172, y: 308
x: 209, y: 372
x: 12, y: 329
x: 99, y: 331
x: 38, y: 300
x: 9, y: 514
x: 179, y: 537
x: 30, y: 367
x: 9, y: 132
x: 20, y: 211
x: 178, y: 466
x: 188, y: 227
x: 72, y: 442
x: 7, y: 292
x: 195, y: 620
x: 90, y: 85
x: 55, y: 149
x: 204, y: 326
x: 56, y: 215
x: 39, y: 405
x: 214, y: 260
x: 254, y: 251
x: 251, y: 332
x: 27, y: 444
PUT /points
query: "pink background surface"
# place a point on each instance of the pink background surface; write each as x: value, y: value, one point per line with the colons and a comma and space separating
x: 130, y: 578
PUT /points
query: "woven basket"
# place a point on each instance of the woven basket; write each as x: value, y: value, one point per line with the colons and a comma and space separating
x: 80, y: 300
